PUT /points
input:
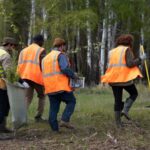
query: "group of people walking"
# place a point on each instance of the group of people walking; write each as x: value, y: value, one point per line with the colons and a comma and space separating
x: 49, y: 74
x: 46, y: 74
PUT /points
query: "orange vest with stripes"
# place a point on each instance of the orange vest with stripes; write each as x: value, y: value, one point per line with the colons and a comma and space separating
x: 29, y: 64
x: 54, y: 80
x: 117, y: 70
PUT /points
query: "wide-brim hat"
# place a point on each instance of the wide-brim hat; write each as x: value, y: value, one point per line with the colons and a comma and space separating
x: 9, y: 40
x: 59, y: 42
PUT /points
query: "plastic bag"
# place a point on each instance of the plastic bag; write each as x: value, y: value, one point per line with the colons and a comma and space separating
x: 16, y: 95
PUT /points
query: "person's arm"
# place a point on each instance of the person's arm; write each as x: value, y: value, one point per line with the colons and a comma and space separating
x: 6, y: 61
x: 43, y: 54
x: 130, y: 60
x: 64, y: 66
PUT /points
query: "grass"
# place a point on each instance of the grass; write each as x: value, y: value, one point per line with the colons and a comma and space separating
x: 94, y: 121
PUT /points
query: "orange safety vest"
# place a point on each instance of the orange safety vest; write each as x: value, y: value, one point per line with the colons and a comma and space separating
x: 54, y: 79
x: 29, y: 64
x: 117, y: 70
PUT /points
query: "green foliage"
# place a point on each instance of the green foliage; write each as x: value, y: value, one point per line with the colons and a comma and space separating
x: 65, y: 18
x: 20, y: 19
x: 79, y: 18
x: 129, y: 12
x: 11, y: 73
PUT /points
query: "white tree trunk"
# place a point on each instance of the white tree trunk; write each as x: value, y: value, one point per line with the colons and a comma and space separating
x: 32, y: 21
x: 78, y: 47
x: 109, y: 42
x: 111, y: 31
x: 78, y: 37
x: 142, y: 32
x: 114, y: 30
x: 89, y: 40
x: 43, y: 30
x: 103, y: 46
x: 67, y: 27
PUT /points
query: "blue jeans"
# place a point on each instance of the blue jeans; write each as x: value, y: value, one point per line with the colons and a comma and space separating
x: 55, y: 100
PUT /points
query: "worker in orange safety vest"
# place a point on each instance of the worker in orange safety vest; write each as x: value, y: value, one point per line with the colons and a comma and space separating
x: 56, y: 75
x: 29, y: 70
x: 120, y: 74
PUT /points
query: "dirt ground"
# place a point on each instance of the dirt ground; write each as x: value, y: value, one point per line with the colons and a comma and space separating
x: 45, y: 139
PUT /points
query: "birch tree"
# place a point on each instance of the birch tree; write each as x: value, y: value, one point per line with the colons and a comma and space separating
x: 77, y: 22
x: 103, y: 47
x: 89, y: 39
x: 32, y: 22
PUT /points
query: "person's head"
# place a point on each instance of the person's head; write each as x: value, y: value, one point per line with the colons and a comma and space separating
x: 60, y: 44
x: 38, y: 39
x: 9, y: 43
x: 125, y: 40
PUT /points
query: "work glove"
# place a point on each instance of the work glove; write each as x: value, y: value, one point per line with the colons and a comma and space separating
x: 143, y: 56
x: 25, y: 84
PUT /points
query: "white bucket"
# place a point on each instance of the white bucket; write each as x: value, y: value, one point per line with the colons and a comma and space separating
x: 16, y: 95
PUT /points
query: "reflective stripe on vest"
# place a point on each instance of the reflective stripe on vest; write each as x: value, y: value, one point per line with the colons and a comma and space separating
x: 119, y: 64
x: 54, y: 72
x: 54, y: 79
x: 35, y: 61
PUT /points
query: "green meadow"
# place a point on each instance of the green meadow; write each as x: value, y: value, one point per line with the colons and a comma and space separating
x: 94, y: 125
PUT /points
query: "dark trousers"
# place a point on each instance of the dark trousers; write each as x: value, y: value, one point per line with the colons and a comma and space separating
x: 40, y: 93
x: 4, y: 105
x: 69, y: 99
x: 118, y: 91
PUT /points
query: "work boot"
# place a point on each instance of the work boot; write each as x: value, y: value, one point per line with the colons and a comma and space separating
x: 127, y: 106
x: 3, y: 128
x: 66, y: 125
x: 38, y: 118
x: 118, y: 119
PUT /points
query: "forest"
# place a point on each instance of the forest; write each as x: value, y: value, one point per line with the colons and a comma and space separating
x: 90, y: 28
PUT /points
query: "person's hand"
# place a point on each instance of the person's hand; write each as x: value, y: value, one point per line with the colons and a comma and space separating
x: 76, y: 77
x: 25, y: 84
x: 143, y: 56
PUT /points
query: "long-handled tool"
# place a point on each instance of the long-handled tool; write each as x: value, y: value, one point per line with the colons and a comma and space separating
x: 146, y: 66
